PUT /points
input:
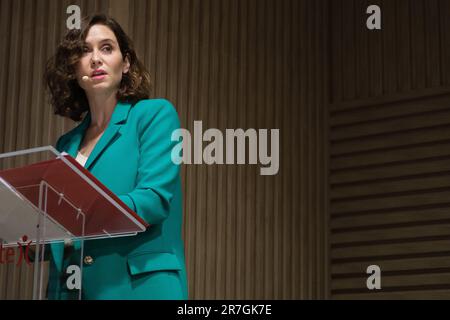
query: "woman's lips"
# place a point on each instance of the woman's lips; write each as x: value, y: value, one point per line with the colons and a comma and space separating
x: 99, y: 77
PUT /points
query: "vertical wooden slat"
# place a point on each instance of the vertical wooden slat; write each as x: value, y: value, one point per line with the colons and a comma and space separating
x: 325, y: 208
x: 348, y: 47
x: 204, y: 86
x: 26, y: 73
x: 5, y: 32
x: 286, y: 137
x: 278, y: 99
x: 310, y: 183
x: 13, y: 273
x: 361, y: 47
x: 404, y: 44
x: 444, y: 27
x: 223, y: 119
x: 338, y: 55
x: 250, y: 177
x: 140, y: 10
x: 160, y: 68
x: 321, y: 165
x: 38, y: 97
x: 260, y: 75
x: 317, y: 145
x: 432, y: 43
x: 212, y: 179
x: 11, y: 115
x: 151, y: 22
x: 389, y: 48
x: 270, y: 102
x: 191, y: 210
x: 314, y: 148
x: 418, y: 50
x: 294, y: 58
x: 119, y: 10
x: 52, y: 40
x: 183, y: 58
x: 375, y: 61
x: 23, y: 103
x: 241, y: 196
x: 303, y: 121
x: 173, y: 50
x: 231, y: 221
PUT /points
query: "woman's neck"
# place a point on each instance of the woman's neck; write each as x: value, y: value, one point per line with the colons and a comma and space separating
x: 102, y: 108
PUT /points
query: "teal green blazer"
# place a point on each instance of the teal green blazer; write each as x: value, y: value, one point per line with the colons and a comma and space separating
x: 133, y: 160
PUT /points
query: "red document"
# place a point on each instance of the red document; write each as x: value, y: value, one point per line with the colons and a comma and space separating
x: 101, y: 217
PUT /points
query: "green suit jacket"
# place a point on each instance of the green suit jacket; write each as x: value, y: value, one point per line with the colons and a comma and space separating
x: 133, y: 160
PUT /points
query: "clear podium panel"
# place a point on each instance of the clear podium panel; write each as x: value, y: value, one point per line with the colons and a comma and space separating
x: 49, y: 206
x: 20, y: 218
x: 58, y: 267
x: 27, y: 232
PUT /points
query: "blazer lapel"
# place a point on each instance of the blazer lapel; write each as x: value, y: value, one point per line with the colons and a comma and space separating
x: 112, y: 132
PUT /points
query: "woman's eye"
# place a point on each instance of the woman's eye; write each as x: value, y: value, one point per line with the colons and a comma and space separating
x: 85, y: 49
x: 107, y: 48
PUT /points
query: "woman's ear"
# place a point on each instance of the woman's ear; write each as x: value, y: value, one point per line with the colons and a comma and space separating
x: 126, y: 65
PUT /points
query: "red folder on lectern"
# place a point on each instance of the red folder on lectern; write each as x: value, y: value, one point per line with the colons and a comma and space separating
x: 102, y: 216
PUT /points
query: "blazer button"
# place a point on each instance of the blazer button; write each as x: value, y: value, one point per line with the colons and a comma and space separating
x: 88, y: 260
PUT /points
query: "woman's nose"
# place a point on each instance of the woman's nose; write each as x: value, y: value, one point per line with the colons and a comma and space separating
x: 95, y: 59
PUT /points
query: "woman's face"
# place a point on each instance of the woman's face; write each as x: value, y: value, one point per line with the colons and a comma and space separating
x: 102, y: 61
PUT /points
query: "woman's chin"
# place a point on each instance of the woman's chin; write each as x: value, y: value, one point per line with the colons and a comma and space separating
x: 99, y: 89
x: 101, y: 86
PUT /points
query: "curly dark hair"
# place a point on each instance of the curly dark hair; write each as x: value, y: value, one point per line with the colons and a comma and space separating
x: 66, y: 96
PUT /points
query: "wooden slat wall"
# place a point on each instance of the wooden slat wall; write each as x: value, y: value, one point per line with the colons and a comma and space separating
x: 247, y: 64
x: 390, y: 149
x: 232, y: 64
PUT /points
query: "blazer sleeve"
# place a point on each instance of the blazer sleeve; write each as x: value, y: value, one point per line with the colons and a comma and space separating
x: 157, y: 175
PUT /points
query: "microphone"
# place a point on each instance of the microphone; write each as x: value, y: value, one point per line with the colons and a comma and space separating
x: 85, y: 78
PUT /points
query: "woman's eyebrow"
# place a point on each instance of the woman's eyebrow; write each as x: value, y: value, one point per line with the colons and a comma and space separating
x: 107, y: 40
x: 102, y: 41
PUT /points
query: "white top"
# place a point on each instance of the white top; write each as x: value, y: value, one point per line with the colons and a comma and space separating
x: 81, y: 158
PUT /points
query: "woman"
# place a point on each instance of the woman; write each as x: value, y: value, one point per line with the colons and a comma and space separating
x: 124, y: 140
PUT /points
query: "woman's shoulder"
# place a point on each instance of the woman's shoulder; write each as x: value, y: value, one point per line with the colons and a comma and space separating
x: 157, y: 105
x: 160, y: 109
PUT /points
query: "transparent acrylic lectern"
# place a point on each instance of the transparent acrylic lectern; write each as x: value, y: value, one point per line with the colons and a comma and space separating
x: 49, y: 203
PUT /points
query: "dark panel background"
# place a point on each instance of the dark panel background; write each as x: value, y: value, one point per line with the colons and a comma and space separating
x: 389, y: 149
